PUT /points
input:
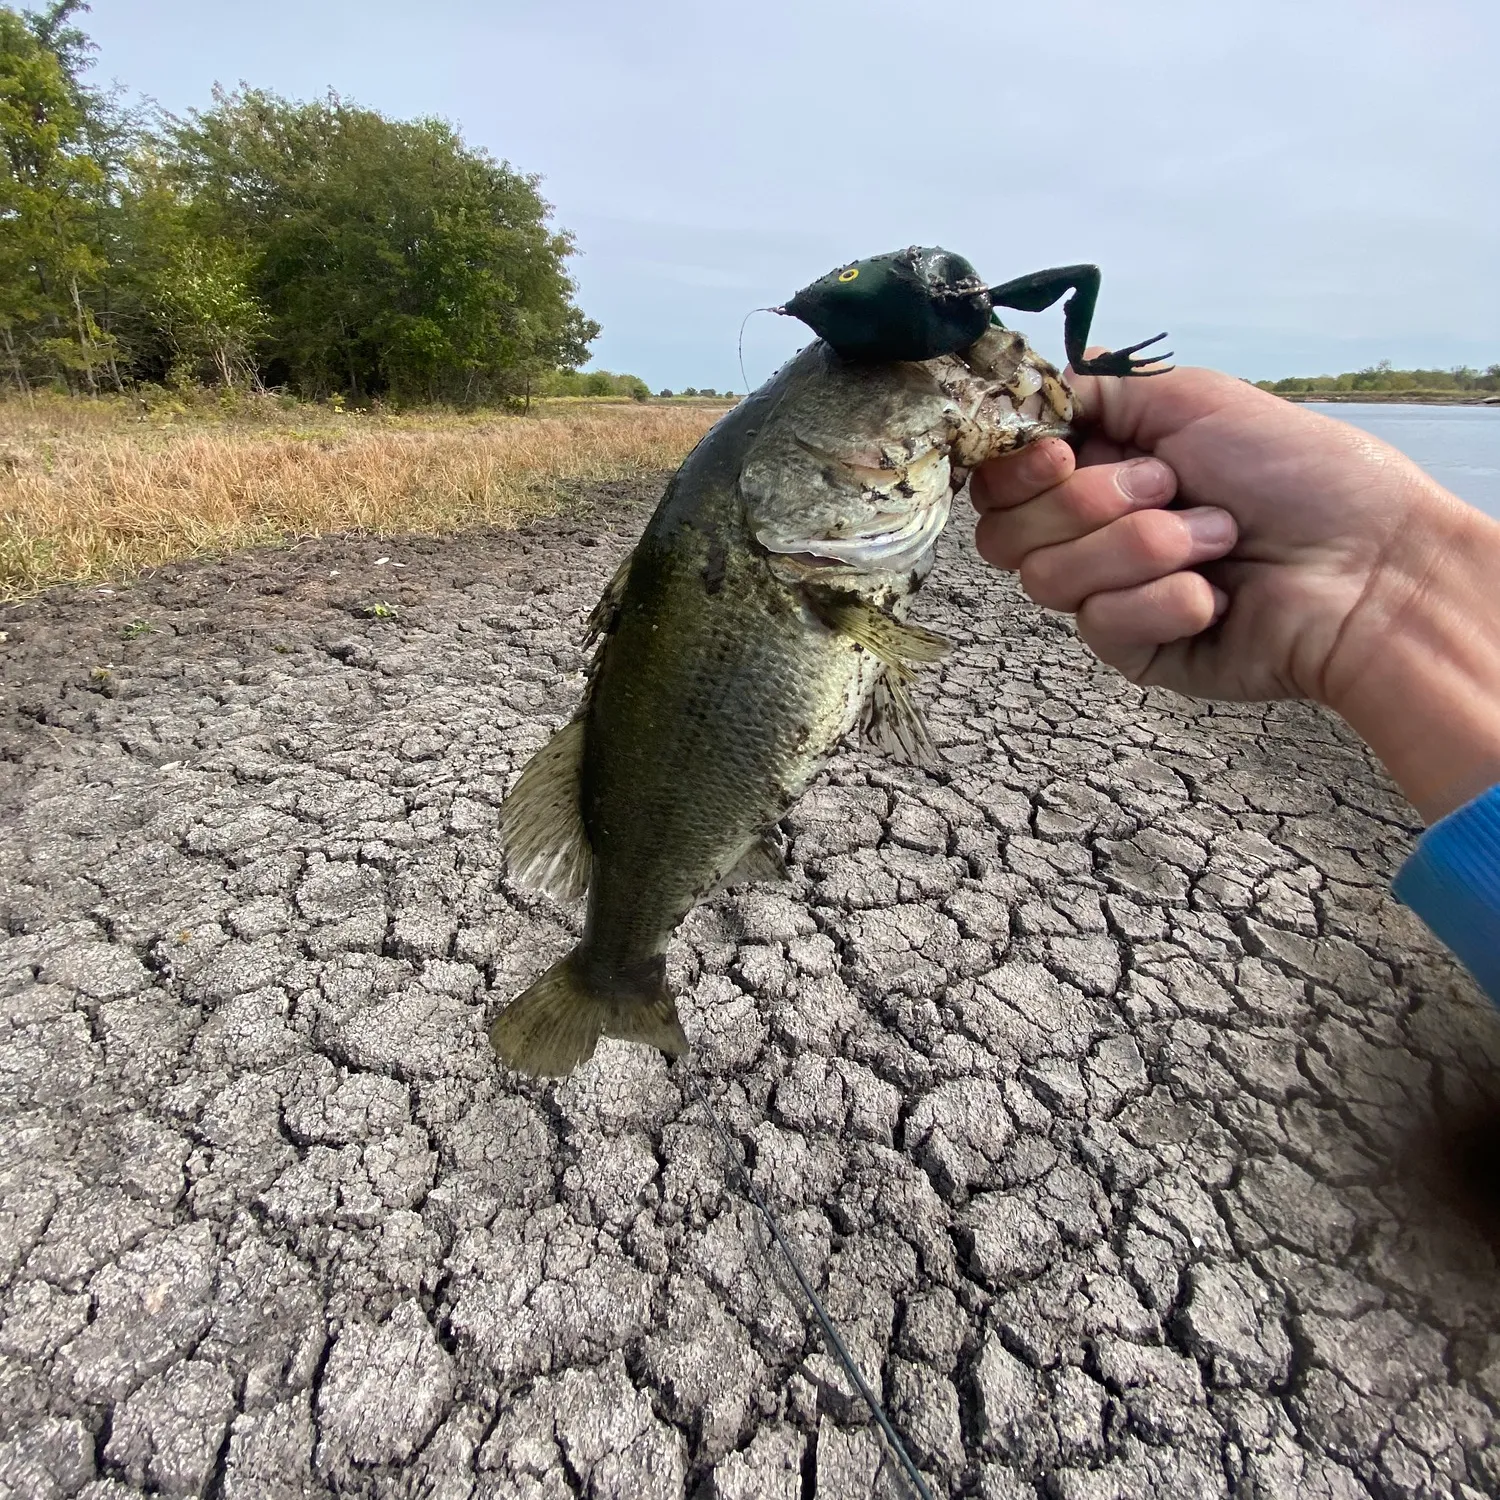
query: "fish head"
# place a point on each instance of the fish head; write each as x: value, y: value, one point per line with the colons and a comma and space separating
x: 907, y: 304
x: 853, y: 466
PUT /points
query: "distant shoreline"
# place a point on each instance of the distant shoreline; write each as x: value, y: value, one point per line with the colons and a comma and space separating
x: 1395, y: 398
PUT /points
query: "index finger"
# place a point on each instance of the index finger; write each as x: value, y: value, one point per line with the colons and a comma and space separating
x: 1015, y: 478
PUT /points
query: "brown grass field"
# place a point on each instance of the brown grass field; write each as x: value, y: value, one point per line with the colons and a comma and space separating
x: 103, y: 489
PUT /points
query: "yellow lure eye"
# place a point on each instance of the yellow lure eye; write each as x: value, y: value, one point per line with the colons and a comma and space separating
x: 850, y: 274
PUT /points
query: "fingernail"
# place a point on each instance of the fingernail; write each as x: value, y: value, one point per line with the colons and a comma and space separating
x: 1221, y: 604
x: 1209, y: 526
x: 1145, y: 479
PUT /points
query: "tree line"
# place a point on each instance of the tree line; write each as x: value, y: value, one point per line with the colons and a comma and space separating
x: 317, y: 247
x: 593, y: 383
x: 1381, y: 377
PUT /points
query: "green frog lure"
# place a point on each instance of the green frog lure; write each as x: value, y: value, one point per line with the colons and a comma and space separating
x: 922, y: 302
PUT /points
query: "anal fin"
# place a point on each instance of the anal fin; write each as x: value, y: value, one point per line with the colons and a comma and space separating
x: 541, y: 821
x: 892, y: 722
x: 762, y: 862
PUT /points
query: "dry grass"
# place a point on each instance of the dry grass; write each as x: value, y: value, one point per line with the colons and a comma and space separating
x: 92, y: 490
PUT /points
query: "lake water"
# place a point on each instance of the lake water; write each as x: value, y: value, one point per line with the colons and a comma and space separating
x: 1458, y: 445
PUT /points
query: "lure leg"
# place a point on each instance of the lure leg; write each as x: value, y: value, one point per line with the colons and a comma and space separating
x: 1039, y: 290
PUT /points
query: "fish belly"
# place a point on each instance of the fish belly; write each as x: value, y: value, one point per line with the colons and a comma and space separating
x: 707, y: 719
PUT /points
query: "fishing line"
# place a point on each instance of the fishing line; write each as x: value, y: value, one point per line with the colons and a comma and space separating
x: 745, y: 379
x: 836, y: 1343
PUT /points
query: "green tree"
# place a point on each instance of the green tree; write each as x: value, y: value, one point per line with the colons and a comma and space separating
x: 593, y: 383
x: 55, y: 144
x: 317, y: 244
x: 208, y: 314
x: 389, y: 258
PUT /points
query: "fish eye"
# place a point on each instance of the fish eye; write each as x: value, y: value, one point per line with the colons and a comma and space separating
x: 850, y: 274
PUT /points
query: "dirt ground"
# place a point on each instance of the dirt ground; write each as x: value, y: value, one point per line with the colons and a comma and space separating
x: 1141, y: 1143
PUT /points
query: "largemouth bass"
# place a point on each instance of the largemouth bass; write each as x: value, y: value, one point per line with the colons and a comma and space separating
x: 758, y: 621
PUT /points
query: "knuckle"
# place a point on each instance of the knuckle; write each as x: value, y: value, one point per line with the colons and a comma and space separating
x: 1045, y: 580
x: 997, y: 543
x: 1088, y: 503
x: 1002, y: 481
x: 1097, y: 632
x: 1158, y: 540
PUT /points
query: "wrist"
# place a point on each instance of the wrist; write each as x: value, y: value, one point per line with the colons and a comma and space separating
x: 1426, y: 694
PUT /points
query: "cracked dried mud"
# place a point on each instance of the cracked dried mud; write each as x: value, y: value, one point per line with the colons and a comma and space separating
x: 1141, y: 1143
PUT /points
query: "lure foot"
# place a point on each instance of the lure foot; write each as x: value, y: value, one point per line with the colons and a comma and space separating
x: 1123, y: 361
x: 1041, y: 289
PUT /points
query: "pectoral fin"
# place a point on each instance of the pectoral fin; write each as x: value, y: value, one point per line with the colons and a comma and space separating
x: 893, y: 641
x: 541, y: 822
x: 892, y: 722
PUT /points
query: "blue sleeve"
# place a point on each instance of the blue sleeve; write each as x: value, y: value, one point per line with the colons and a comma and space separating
x: 1452, y: 881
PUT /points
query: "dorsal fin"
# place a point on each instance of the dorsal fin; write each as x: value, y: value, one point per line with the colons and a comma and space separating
x: 605, y: 613
x: 541, y: 822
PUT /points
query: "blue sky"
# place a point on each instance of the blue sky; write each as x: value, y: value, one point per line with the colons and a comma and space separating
x: 1287, y: 188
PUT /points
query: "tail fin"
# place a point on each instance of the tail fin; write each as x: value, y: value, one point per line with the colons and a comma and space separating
x: 556, y: 1024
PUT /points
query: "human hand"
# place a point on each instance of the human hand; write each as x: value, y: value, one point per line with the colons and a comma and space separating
x: 1312, y: 561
